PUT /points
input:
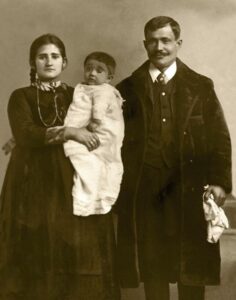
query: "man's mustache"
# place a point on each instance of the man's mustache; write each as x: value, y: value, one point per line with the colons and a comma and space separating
x: 159, y: 53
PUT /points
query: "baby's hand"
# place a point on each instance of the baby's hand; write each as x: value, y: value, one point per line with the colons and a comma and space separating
x: 93, y: 125
x: 9, y: 146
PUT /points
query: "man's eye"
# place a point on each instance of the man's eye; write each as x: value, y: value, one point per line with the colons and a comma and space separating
x: 152, y: 42
x: 165, y: 41
x: 99, y: 70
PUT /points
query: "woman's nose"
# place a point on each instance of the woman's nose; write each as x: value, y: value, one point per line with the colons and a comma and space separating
x: 48, y: 61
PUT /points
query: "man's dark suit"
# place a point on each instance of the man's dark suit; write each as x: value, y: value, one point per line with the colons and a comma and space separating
x: 204, y: 154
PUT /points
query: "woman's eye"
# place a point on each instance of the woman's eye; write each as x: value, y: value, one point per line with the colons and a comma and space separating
x: 41, y: 57
x: 55, y: 56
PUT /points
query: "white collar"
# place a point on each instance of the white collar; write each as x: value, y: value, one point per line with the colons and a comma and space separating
x: 169, y: 72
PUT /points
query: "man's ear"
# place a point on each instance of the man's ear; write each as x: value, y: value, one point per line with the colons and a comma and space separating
x: 180, y: 42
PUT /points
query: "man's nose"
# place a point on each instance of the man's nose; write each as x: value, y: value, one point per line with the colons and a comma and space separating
x: 159, y: 45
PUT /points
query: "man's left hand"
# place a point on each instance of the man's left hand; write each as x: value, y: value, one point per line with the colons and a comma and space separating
x: 218, y: 193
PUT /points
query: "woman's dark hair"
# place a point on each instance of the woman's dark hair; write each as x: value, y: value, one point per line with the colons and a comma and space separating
x: 160, y: 22
x: 105, y: 58
x: 40, y: 41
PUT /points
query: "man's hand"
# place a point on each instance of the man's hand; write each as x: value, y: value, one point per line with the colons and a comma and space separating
x: 218, y: 193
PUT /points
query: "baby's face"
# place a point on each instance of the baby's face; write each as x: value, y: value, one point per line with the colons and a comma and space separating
x: 96, y: 72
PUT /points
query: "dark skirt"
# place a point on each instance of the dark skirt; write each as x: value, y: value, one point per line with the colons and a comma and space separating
x: 45, y: 251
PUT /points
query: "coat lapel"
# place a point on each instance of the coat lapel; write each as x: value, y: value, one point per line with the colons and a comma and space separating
x: 186, y: 97
x: 142, y: 87
x: 185, y: 93
x: 141, y: 81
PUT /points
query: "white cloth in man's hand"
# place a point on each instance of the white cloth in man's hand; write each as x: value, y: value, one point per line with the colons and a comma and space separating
x: 216, y: 218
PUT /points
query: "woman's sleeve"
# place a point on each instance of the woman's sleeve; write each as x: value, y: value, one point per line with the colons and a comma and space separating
x: 24, y: 129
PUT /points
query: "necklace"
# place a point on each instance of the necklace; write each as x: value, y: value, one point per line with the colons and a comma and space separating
x: 57, y: 116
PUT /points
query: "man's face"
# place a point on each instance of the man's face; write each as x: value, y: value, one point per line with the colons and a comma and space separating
x: 162, y: 47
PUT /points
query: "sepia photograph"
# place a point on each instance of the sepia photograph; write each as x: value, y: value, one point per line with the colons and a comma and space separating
x: 118, y: 146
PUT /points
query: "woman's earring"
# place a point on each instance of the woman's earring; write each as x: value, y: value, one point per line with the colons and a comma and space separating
x: 64, y: 64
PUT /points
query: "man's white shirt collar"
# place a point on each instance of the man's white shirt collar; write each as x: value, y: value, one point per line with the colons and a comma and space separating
x: 169, y: 72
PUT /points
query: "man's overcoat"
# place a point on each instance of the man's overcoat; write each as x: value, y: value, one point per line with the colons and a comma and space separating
x: 204, y: 149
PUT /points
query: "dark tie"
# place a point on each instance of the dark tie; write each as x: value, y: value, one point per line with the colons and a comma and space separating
x: 161, y: 79
x: 158, y: 85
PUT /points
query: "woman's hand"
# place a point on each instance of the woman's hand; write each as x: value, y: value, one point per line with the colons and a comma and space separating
x: 55, y: 135
x: 83, y: 136
x: 60, y: 134
x: 9, y: 146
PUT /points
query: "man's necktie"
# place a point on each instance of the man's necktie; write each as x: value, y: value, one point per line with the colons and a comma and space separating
x: 161, y: 79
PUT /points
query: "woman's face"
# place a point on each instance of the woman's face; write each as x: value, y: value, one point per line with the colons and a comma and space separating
x: 49, y: 62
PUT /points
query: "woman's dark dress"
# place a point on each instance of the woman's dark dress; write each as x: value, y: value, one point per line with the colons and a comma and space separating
x: 45, y: 251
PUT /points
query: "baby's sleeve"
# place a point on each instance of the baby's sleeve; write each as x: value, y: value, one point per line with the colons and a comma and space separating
x: 79, y: 111
x: 101, y: 100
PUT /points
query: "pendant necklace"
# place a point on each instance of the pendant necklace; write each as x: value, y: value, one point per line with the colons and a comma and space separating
x: 57, y: 116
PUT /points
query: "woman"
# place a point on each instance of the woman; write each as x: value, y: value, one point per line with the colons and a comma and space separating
x: 45, y: 251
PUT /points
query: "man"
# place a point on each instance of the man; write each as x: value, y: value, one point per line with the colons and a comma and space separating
x: 176, y: 142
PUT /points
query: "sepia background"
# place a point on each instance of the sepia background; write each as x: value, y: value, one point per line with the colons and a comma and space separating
x: 116, y: 27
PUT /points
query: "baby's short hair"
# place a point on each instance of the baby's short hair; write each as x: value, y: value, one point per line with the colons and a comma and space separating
x: 105, y: 58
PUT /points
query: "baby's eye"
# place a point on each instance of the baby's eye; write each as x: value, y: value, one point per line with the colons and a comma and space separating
x: 88, y: 68
x: 100, y: 70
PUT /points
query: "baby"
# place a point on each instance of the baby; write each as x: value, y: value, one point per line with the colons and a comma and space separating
x: 96, y: 105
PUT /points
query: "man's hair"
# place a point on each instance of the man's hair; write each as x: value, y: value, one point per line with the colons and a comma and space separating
x: 160, y: 22
x: 105, y: 58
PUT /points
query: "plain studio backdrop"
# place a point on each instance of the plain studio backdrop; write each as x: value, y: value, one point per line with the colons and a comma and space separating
x: 116, y: 27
